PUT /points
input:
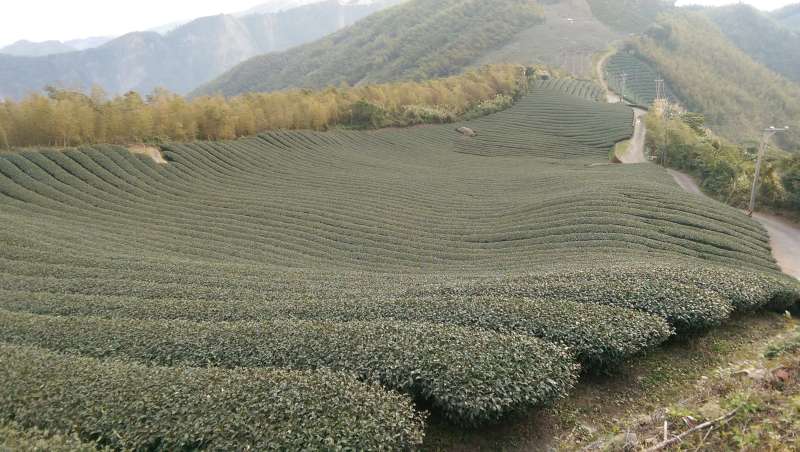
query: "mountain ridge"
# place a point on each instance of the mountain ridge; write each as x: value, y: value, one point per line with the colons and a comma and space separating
x: 428, y: 39
x: 183, y: 58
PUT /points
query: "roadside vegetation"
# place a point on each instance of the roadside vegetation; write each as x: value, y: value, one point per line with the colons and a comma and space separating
x: 68, y: 118
x: 709, y: 75
x: 725, y: 170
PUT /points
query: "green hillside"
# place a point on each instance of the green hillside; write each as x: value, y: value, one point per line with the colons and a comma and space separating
x: 737, y: 95
x: 428, y: 38
x: 640, y: 79
x: 629, y: 16
x: 568, y: 39
x: 309, y: 272
x: 761, y: 37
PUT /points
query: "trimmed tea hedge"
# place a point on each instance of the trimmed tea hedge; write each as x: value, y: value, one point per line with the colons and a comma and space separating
x: 640, y: 85
x: 507, y: 373
x: 471, y: 376
x: 134, y: 407
x: 598, y: 335
x: 16, y: 439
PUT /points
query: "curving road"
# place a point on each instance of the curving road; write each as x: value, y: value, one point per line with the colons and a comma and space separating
x: 784, y: 235
x: 635, y: 152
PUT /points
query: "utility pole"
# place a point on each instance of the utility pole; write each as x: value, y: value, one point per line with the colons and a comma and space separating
x: 660, y: 91
x: 623, y: 81
x: 762, y: 149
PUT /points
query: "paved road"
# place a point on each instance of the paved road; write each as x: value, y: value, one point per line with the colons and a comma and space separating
x: 783, y: 235
x: 635, y: 152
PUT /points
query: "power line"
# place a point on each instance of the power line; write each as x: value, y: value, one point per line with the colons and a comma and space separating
x: 660, y: 91
x: 768, y: 133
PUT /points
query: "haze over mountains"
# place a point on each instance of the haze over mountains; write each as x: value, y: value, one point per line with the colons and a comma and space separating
x: 181, y: 59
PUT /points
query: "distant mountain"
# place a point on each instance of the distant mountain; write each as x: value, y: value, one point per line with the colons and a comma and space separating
x: 276, y: 6
x: 760, y: 36
x: 738, y: 95
x: 88, y: 43
x: 419, y: 39
x: 44, y: 48
x: 182, y: 59
x: 788, y: 16
x: 34, y: 49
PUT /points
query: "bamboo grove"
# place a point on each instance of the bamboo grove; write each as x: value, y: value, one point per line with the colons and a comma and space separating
x: 70, y: 118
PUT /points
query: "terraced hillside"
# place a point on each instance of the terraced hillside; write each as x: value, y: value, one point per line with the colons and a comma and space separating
x: 640, y: 78
x: 354, y: 271
x: 568, y: 39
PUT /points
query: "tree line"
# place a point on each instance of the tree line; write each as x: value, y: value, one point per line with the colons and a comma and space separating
x: 737, y: 95
x: 59, y: 117
x: 725, y: 170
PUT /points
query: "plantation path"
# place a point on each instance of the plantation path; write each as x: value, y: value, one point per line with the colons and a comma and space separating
x: 611, y: 96
x: 635, y: 151
x: 783, y: 235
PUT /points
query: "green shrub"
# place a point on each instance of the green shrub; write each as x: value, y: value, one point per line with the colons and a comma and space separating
x: 424, y: 114
x: 499, y: 103
x: 472, y: 376
x: 134, y: 407
x: 598, y: 335
x: 367, y: 115
x: 14, y: 438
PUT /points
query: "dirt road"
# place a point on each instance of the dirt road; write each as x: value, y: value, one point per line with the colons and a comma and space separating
x: 611, y: 96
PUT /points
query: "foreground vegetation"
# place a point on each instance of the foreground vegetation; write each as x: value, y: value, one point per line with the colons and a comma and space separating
x: 625, y: 409
x: 384, y: 273
x: 67, y: 118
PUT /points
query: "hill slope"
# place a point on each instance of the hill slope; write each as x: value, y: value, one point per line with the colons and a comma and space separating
x: 472, y: 274
x: 568, y: 39
x: 738, y: 96
x: 182, y: 59
x: 789, y: 16
x: 418, y: 40
x: 761, y: 37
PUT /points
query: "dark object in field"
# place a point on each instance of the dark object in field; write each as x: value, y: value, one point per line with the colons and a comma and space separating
x: 466, y: 131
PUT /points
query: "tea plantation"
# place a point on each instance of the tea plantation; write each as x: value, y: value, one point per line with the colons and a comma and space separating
x: 640, y: 85
x: 302, y: 290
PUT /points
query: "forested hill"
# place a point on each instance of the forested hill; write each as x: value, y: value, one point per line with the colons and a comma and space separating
x: 630, y: 16
x: 761, y: 36
x: 789, y: 16
x: 738, y: 95
x: 417, y: 40
x: 184, y: 58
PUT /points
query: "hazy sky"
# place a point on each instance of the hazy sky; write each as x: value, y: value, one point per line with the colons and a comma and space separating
x: 40, y: 20
x: 763, y: 4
